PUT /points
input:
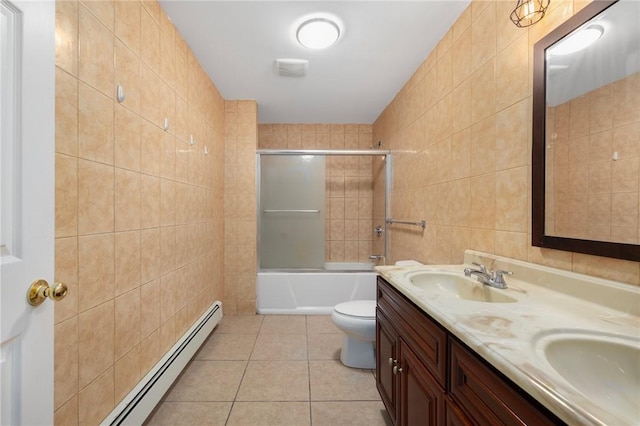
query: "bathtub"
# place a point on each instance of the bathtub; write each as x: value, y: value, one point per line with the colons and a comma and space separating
x: 314, y: 292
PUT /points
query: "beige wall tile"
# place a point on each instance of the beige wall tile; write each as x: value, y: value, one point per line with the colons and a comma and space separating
x: 95, y: 343
x: 67, y: 36
x: 95, y: 125
x: 126, y: 374
x: 127, y: 200
x: 483, y: 93
x: 127, y: 73
x: 127, y: 139
x: 150, y: 40
x: 483, y: 36
x: 95, y: 52
x: 127, y: 23
x: 149, y: 308
x: 127, y: 323
x: 513, y: 146
x: 512, y: 67
x: 66, y: 110
x: 67, y: 414
x: 512, y: 200
x: 119, y: 210
x: 95, y: 197
x: 96, y: 270
x: 127, y: 261
x: 65, y: 373
x: 96, y: 400
x: 66, y: 214
x: 483, y: 147
x: 149, y: 201
x: 66, y: 271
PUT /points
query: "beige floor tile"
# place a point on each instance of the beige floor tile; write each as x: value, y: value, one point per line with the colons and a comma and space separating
x: 284, y: 324
x: 275, y: 381
x: 280, y: 347
x: 355, y: 413
x: 332, y: 381
x: 321, y: 324
x: 208, y: 381
x: 191, y: 413
x: 240, y: 324
x: 325, y: 346
x: 269, y: 413
x: 227, y: 347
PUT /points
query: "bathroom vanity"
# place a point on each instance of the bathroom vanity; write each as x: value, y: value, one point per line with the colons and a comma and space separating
x: 453, y: 351
x: 424, y: 372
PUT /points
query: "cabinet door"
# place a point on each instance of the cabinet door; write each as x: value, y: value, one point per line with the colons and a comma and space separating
x: 386, y: 352
x: 422, y: 399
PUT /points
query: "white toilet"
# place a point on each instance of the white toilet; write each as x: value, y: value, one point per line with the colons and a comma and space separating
x: 357, y: 319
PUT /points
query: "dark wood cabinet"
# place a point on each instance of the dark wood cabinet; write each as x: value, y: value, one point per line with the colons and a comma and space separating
x: 426, y: 376
x: 386, y: 359
x: 422, y: 398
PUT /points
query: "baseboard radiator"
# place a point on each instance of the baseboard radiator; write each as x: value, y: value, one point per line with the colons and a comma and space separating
x: 141, y: 401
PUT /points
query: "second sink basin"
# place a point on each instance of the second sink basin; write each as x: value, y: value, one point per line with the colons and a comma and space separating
x: 455, y: 285
x: 605, y: 368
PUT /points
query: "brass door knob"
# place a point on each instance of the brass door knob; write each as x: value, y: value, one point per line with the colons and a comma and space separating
x: 40, y: 290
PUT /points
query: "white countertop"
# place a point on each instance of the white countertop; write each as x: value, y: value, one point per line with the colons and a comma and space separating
x: 508, y: 335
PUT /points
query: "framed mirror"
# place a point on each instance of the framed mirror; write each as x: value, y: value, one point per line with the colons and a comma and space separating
x: 586, y: 133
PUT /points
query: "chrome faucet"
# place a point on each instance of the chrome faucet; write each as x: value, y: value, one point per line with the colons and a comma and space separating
x: 491, y: 278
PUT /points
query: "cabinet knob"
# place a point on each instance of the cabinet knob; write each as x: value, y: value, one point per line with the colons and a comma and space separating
x: 397, y: 370
x: 391, y: 362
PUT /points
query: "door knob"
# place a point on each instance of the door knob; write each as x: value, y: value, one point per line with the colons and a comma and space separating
x: 40, y: 290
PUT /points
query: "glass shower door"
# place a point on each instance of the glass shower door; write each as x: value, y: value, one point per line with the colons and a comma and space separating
x: 291, y: 209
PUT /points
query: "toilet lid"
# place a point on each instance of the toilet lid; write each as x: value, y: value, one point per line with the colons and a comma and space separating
x: 358, y: 308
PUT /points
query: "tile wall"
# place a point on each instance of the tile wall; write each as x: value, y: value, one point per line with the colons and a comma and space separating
x: 240, y: 227
x: 139, y: 210
x: 349, y: 186
x: 461, y: 127
x: 587, y: 132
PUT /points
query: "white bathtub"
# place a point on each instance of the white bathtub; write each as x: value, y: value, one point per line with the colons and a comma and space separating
x: 314, y: 292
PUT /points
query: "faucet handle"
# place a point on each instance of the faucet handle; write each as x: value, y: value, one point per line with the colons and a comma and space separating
x: 483, y: 268
x: 498, y: 276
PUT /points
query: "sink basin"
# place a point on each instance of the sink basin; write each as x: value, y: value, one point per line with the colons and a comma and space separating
x: 450, y: 284
x: 604, y: 368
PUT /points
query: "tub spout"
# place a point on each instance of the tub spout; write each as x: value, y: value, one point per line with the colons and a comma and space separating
x: 377, y: 258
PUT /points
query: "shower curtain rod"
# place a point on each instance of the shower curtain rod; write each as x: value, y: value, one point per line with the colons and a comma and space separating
x: 323, y: 152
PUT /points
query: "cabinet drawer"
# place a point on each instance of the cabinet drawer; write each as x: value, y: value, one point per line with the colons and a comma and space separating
x: 427, y: 339
x: 454, y: 416
x: 486, y: 397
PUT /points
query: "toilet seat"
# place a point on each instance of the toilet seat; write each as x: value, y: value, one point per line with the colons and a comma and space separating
x: 363, y: 309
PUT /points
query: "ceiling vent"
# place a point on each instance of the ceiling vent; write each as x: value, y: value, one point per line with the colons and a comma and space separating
x: 292, y: 67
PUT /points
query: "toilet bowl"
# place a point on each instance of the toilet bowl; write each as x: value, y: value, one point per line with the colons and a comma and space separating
x: 357, y: 319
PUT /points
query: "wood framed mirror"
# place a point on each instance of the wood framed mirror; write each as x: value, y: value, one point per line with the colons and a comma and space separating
x: 586, y: 134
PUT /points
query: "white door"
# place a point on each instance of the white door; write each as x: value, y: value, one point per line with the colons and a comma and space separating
x: 27, y: 209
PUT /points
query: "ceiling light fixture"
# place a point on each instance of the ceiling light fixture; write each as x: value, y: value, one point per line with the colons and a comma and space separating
x: 318, y: 33
x: 528, y: 12
x: 578, y: 40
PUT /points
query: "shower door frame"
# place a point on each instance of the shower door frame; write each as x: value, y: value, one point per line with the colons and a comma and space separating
x: 324, y: 152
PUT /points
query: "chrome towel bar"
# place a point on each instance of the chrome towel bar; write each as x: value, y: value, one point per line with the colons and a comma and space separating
x: 291, y: 211
x: 422, y: 223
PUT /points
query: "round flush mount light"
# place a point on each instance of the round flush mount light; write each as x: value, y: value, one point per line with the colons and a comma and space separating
x: 578, y: 40
x: 318, y: 33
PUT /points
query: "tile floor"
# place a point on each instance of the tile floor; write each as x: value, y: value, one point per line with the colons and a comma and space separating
x: 272, y: 370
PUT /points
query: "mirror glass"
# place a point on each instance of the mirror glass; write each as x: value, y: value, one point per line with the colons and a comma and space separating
x: 587, y: 132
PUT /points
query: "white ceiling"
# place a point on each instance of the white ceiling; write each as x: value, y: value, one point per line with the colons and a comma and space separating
x: 382, y: 44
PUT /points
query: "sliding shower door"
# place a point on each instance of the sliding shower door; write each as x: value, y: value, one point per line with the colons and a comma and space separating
x: 291, y: 208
